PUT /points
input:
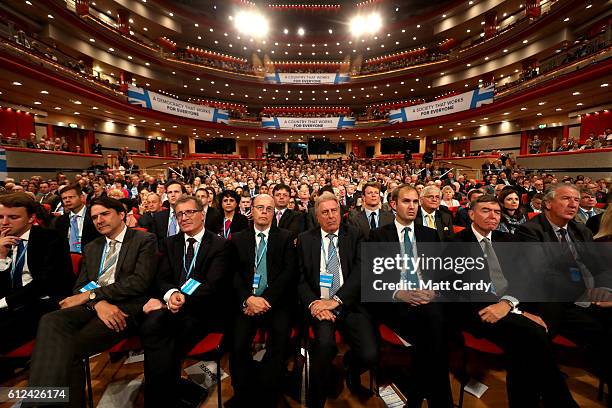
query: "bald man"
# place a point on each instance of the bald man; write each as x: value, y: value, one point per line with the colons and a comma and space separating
x: 266, y: 285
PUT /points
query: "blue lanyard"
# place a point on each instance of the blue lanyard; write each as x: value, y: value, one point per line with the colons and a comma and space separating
x: 14, y: 264
x: 193, y: 261
x: 258, y: 261
x: 325, y: 254
x: 101, y: 269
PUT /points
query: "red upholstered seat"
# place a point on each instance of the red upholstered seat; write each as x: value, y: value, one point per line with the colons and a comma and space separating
x: 140, y: 229
x: 457, y: 229
x: 564, y: 342
x: 24, y: 350
x: 524, y: 198
x: 600, y: 205
x: 453, y: 210
x: 532, y: 214
x: 311, y: 335
x: 389, y: 336
x: 76, y: 263
x: 131, y: 343
x: 211, y: 342
x: 483, y: 345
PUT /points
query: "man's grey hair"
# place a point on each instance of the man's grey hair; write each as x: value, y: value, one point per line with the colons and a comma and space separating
x: 551, y: 193
x: 325, y: 196
x: 430, y: 189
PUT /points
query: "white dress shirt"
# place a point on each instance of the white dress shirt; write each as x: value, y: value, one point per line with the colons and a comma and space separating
x: 6, y: 263
x: 325, y: 253
x: 424, y: 215
x: 198, y: 237
x: 80, y: 219
x: 376, y: 216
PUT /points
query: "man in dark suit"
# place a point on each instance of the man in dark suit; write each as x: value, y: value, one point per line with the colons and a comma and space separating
x: 494, y: 313
x: 233, y: 221
x: 265, y: 282
x: 45, y: 196
x: 577, y: 280
x: 153, y: 205
x: 351, y: 196
x: 131, y: 168
x: 191, y: 285
x: 370, y: 216
x: 538, y: 188
x: 252, y: 188
x: 413, y: 314
x: 75, y: 224
x: 116, y: 273
x: 332, y: 298
x: 284, y: 217
x: 462, y: 218
x: 34, y: 271
x: 165, y: 223
x: 213, y: 220
x: 430, y: 216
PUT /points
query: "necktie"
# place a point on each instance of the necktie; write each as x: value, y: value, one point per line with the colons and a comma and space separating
x: 227, y: 228
x: 261, y: 266
x: 188, y: 259
x: 110, y: 263
x: 333, y: 265
x: 500, y: 284
x: 567, y: 248
x: 279, y: 215
x: 19, y: 263
x: 430, y: 221
x: 172, y: 225
x: 372, y: 220
x: 407, y: 273
x: 74, y: 234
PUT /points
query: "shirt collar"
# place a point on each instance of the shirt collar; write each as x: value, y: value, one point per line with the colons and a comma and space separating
x: 479, y: 236
x: 81, y: 213
x: 26, y: 235
x: 586, y: 211
x: 266, y: 232
x: 197, y: 237
x: 324, y: 234
x: 368, y: 212
x: 119, y: 237
x: 425, y: 213
x: 400, y: 228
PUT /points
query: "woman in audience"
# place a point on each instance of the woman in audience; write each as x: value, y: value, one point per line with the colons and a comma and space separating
x: 448, y: 200
x: 512, y: 213
x: 605, y: 227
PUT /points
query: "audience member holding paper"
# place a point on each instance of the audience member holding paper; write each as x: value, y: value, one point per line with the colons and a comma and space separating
x: 191, y: 290
x: 116, y: 273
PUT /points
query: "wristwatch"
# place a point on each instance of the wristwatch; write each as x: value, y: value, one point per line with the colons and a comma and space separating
x: 337, y: 299
x: 92, y: 295
x: 513, y: 302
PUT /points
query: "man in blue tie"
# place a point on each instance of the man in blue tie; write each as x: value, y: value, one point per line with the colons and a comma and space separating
x: 75, y: 223
x: 165, y: 224
x: 265, y: 282
x: 587, y: 207
x: 330, y: 287
x: 34, y: 271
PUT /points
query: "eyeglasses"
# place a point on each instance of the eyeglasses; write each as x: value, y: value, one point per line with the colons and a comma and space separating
x: 432, y: 197
x: 186, y: 213
x: 261, y: 208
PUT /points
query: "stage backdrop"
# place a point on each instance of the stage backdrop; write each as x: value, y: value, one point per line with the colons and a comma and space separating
x: 446, y: 106
x: 339, y: 122
x: 166, y: 104
x: 306, y: 79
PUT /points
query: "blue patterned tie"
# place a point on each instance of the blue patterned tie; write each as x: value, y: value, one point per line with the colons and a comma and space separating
x: 20, y: 259
x: 172, y: 225
x: 262, y: 267
x: 333, y: 265
x: 407, y: 275
x: 74, y: 234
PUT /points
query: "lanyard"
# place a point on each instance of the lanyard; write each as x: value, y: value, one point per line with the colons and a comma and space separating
x: 14, y: 264
x: 258, y: 261
x: 325, y: 260
x: 196, y: 248
x: 101, y: 269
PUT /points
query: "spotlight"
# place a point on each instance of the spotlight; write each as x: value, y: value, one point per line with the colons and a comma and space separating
x: 251, y: 23
x: 369, y: 24
x: 301, y: 31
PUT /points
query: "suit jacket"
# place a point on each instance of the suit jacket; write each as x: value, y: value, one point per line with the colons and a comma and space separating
x: 211, y: 269
x: 292, y: 221
x: 281, y: 265
x: 49, y: 264
x: 134, y: 273
x: 239, y: 222
x: 358, y: 219
x: 309, y: 261
x: 582, y: 218
x: 89, y: 233
x: 147, y: 221
x: 444, y: 223
x: 594, y: 223
x: 214, y: 220
x: 555, y: 265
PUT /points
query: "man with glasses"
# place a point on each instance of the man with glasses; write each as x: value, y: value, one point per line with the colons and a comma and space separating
x: 191, y: 286
x: 430, y: 216
x: 265, y: 283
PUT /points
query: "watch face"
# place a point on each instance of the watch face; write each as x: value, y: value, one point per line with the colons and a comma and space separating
x: 92, y: 295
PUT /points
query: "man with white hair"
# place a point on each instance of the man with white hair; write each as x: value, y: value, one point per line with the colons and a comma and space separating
x: 430, y: 215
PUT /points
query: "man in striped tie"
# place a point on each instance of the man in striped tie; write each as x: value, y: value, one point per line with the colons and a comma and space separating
x: 330, y: 286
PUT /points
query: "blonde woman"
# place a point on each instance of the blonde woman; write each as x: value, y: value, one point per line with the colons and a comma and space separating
x: 448, y: 200
x: 605, y: 228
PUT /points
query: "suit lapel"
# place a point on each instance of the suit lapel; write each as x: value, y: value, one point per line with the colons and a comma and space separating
x: 203, y: 251
x: 316, y: 254
x: 125, y: 246
x: 97, y: 258
x: 272, y: 248
x: 343, y: 245
x: 251, y: 246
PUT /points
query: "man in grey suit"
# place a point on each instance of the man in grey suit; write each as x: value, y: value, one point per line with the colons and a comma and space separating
x: 371, y: 216
x: 587, y: 207
x: 109, y: 294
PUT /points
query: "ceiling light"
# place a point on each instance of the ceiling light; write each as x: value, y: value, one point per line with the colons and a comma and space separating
x: 77, y: 102
x: 579, y: 104
x: 505, y: 50
x: 252, y: 23
x: 539, y: 114
x: 541, y: 103
x: 525, y: 41
x: 369, y: 24
x: 566, y: 19
x: 16, y: 83
x: 523, y: 109
x: 44, y: 92
x: 286, y: 31
x: 37, y: 103
x: 604, y: 85
x: 49, y: 16
x: 111, y: 49
x: 301, y: 31
x: 93, y: 40
x: 575, y: 93
x: 558, y: 109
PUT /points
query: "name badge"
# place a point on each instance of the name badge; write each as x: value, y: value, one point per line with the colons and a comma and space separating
x: 190, y: 286
x: 256, y: 280
x: 77, y: 246
x: 575, y: 275
x: 90, y: 286
x: 325, y: 280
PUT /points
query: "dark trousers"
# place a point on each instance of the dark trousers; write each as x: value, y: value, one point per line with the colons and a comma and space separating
x: 64, y: 338
x: 19, y: 326
x: 167, y: 338
x: 531, y: 368
x: 424, y: 327
x: 356, y: 328
x: 251, y: 384
x: 591, y: 328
